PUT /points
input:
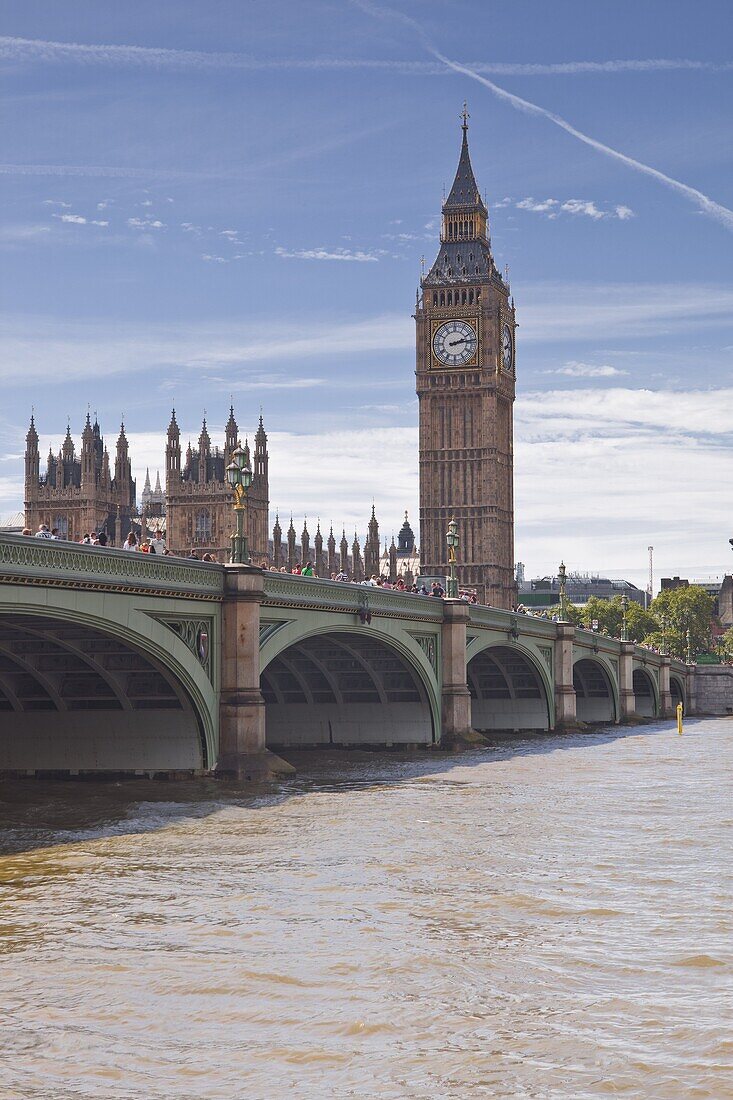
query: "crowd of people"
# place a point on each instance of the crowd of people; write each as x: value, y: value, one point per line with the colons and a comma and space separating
x: 398, y: 585
x: 157, y: 545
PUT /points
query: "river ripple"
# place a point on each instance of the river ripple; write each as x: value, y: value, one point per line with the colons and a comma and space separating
x: 549, y: 918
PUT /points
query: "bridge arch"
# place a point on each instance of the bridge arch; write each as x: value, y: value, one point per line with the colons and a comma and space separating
x: 646, y: 695
x: 341, y: 685
x: 596, y: 690
x: 677, y: 691
x: 83, y: 692
x: 510, y: 689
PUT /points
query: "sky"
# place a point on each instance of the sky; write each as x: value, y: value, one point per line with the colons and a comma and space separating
x: 232, y: 199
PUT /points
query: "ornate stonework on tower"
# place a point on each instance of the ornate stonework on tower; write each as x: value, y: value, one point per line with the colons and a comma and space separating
x: 465, y: 386
x: 80, y: 495
x: 199, y: 513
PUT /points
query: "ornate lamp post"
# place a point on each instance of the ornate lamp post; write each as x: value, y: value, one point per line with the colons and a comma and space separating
x: 562, y: 576
x: 663, y: 624
x: 452, y: 538
x: 689, y: 646
x: 624, y: 609
x: 239, y: 478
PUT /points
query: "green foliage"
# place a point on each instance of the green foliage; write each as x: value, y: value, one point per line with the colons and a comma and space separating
x: 685, y: 608
x: 727, y: 640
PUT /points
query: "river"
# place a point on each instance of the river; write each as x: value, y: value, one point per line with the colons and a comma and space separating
x: 548, y: 918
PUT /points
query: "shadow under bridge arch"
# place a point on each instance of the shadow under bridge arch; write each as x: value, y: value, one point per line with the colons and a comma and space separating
x: 645, y: 693
x: 78, y: 699
x: 346, y: 689
x: 507, y: 691
x: 595, y: 698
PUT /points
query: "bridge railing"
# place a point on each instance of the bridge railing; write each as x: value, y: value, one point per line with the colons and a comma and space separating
x: 313, y: 593
x: 28, y: 560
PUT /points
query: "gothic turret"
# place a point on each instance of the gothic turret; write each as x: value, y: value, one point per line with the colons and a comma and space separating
x: 331, y: 553
x: 356, y: 570
x: 344, y: 553
x: 87, y: 456
x: 305, y: 543
x: 277, y: 543
x: 291, y: 546
x: 318, y: 546
x: 261, y: 468
x: 173, y: 455
x: 231, y: 435
x: 204, y: 453
x: 32, y: 461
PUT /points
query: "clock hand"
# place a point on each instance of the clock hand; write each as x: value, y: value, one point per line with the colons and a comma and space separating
x: 456, y: 342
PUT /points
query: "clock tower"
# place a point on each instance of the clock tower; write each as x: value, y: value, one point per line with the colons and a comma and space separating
x: 465, y: 387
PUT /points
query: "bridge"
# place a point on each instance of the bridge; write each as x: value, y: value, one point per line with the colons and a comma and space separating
x: 120, y: 663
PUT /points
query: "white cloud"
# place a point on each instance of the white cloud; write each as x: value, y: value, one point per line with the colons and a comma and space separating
x: 231, y: 233
x: 583, y: 206
x: 541, y: 207
x: 145, y: 223
x: 326, y: 254
x: 74, y: 219
x: 632, y: 469
x: 586, y: 207
x: 574, y: 369
x: 56, y: 202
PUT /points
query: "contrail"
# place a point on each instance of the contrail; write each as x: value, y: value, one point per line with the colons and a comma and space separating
x: 708, y: 206
x: 14, y: 49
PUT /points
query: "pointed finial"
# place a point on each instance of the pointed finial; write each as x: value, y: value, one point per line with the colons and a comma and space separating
x: 465, y: 116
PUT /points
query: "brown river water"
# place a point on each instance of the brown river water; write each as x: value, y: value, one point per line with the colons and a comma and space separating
x: 551, y: 917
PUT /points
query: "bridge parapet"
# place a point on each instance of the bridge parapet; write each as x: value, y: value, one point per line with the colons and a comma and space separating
x: 54, y: 563
x: 311, y: 593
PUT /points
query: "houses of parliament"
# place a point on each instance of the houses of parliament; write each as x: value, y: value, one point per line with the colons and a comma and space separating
x: 465, y: 382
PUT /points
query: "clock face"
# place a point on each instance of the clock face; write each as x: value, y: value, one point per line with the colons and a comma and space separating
x: 507, y: 350
x: 454, y: 343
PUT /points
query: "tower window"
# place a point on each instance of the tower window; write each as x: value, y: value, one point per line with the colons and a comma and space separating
x: 203, y: 524
x: 470, y: 297
x: 465, y: 272
x: 470, y: 257
x: 450, y: 298
x: 442, y: 297
x: 435, y: 299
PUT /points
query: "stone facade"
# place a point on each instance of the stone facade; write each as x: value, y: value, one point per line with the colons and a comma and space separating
x: 466, y: 385
x: 199, y: 512
x: 79, y: 495
x: 712, y: 689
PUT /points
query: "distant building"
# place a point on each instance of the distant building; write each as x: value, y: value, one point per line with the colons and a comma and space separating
x: 199, y: 513
x: 543, y: 593
x: 80, y: 494
x: 13, y: 523
x: 720, y: 588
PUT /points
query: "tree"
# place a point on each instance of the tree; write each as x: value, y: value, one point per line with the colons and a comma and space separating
x: 727, y: 640
x: 684, y: 609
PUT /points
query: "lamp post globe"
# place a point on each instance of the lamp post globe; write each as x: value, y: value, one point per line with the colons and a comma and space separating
x: 239, y: 479
x: 452, y: 539
x: 624, y: 609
